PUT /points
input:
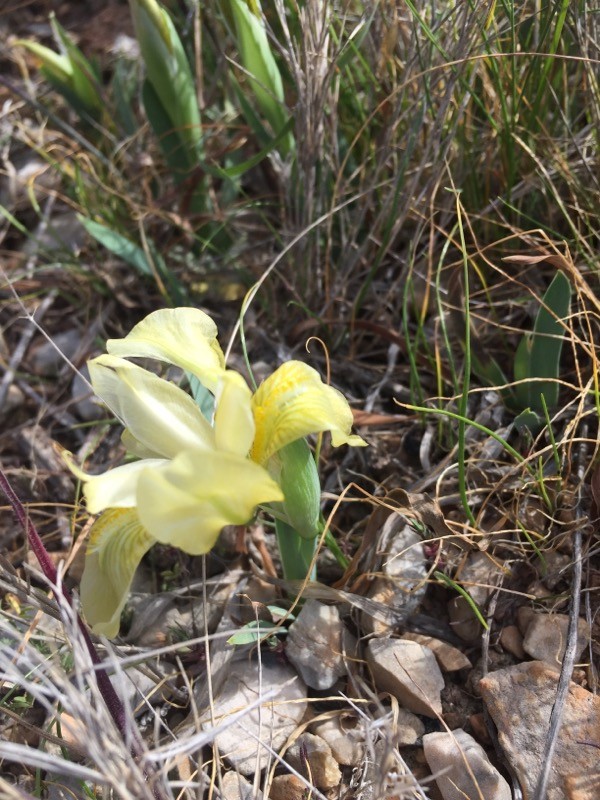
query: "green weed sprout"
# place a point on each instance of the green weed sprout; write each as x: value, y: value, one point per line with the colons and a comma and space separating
x: 69, y: 72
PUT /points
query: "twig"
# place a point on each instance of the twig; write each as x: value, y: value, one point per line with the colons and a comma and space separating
x: 562, y: 691
x: 21, y: 348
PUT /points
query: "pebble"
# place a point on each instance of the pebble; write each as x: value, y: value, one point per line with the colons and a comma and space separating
x: 450, y: 658
x: 404, y: 568
x: 322, y: 769
x: 345, y: 737
x: 85, y: 403
x: 447, y: 753
x: 546, y: 637
x: 236, y: 787
x: 272, y: 722
x: 409, y: 672
x: 511, y: 640
x: 479, y: 575
x: 288, y: 787
x: 316, y: 645
x: 520, y: 700
x: 46, y: 358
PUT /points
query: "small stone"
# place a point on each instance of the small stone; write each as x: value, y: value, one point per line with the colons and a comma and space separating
x: 409, y: 672
x: 479, y: 728
x: 317, y: 643
x: 463, y: 621
x: 546, y: 637
x: 322, y: 769
x: 236, y: 787
x: 288, y: 787
x: 345, y: 737
x: 446, y: 754
x: 271, y: 723
x: 13, y: 400
x: 46, y: 358
x: 409, y: 728
x: 520, y: 700
x: 557, y: 568
x: 450, y: 658
x: 86, y: 404
x: 524, y: 616
x: 404, y: 568
x: 511, y: 640
x: 479, y: 576
x: 73, y: 733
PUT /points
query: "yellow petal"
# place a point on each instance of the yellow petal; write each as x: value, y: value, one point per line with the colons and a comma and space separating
x: 114, y: 488
x: 117, y: 544
x: 294, y: 402
x: 188, y: 502
x: 234, y: 423
x: 159, y: 415
x: 186, y: 337
x: 117, y: 487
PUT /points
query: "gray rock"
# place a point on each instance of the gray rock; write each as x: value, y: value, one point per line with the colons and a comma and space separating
x: 236, y: 787
x: 448, y: 755
x: 345, y: 738
x: 322, y: 769
x: 479, y: 575
x: 46, y: 358
x: 317, y: 643
x: 85, y: 403
x: 402, y: 562
x: 409, y: 672
x: 546, y: 637
x: 243, y: 742
x: 520, y: 701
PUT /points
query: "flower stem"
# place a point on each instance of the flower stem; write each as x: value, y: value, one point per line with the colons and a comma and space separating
x: 296, y: 553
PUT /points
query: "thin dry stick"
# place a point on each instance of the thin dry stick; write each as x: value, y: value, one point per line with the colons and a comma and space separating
x: 571, y: 648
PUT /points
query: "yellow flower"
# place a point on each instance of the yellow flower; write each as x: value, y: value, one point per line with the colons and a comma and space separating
x: 193, y: 477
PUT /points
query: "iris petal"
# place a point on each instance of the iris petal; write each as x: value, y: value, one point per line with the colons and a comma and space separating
x: 186, y: 337
x: 234, y: 422
x: 117, y: 544
x: 294, y: 402
x: 158, y: 414
x: 188, y: 502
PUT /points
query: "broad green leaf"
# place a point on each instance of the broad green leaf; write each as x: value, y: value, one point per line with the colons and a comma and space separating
x: 169, y: 73
x: 253, y: 632
x: 119, y: 245
x: 538, y: 354
x: 258, y: 61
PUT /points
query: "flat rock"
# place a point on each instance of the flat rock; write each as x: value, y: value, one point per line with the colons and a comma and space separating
x: 546, y: 637
x: 402, y: 585
x: 479, y: 575
x: 520, y: 700
x: 317, y: 643
x: 409, y: 672
x: 450, y: 658
x: 271, y: 723
x: 322, y: 769
x: 448, y: 755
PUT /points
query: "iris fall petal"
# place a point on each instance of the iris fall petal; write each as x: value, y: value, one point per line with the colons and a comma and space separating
x: 117, y: 544
x: 188, y: 502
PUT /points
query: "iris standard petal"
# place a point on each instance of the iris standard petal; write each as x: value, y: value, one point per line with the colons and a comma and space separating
x: 117, y: 544
x: 158, y: 414
x: 186, y: 337
x: 234, y: 422
x: 294, y: 402
x: 188, y: 502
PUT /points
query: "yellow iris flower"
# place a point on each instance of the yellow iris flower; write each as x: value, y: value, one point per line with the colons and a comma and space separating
x: 192, y: 477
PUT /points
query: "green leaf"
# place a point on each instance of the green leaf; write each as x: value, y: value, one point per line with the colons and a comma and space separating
x: 258, y: 61
x: 253, y: 632
x: 538, y: 353
x: 119, y: 245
